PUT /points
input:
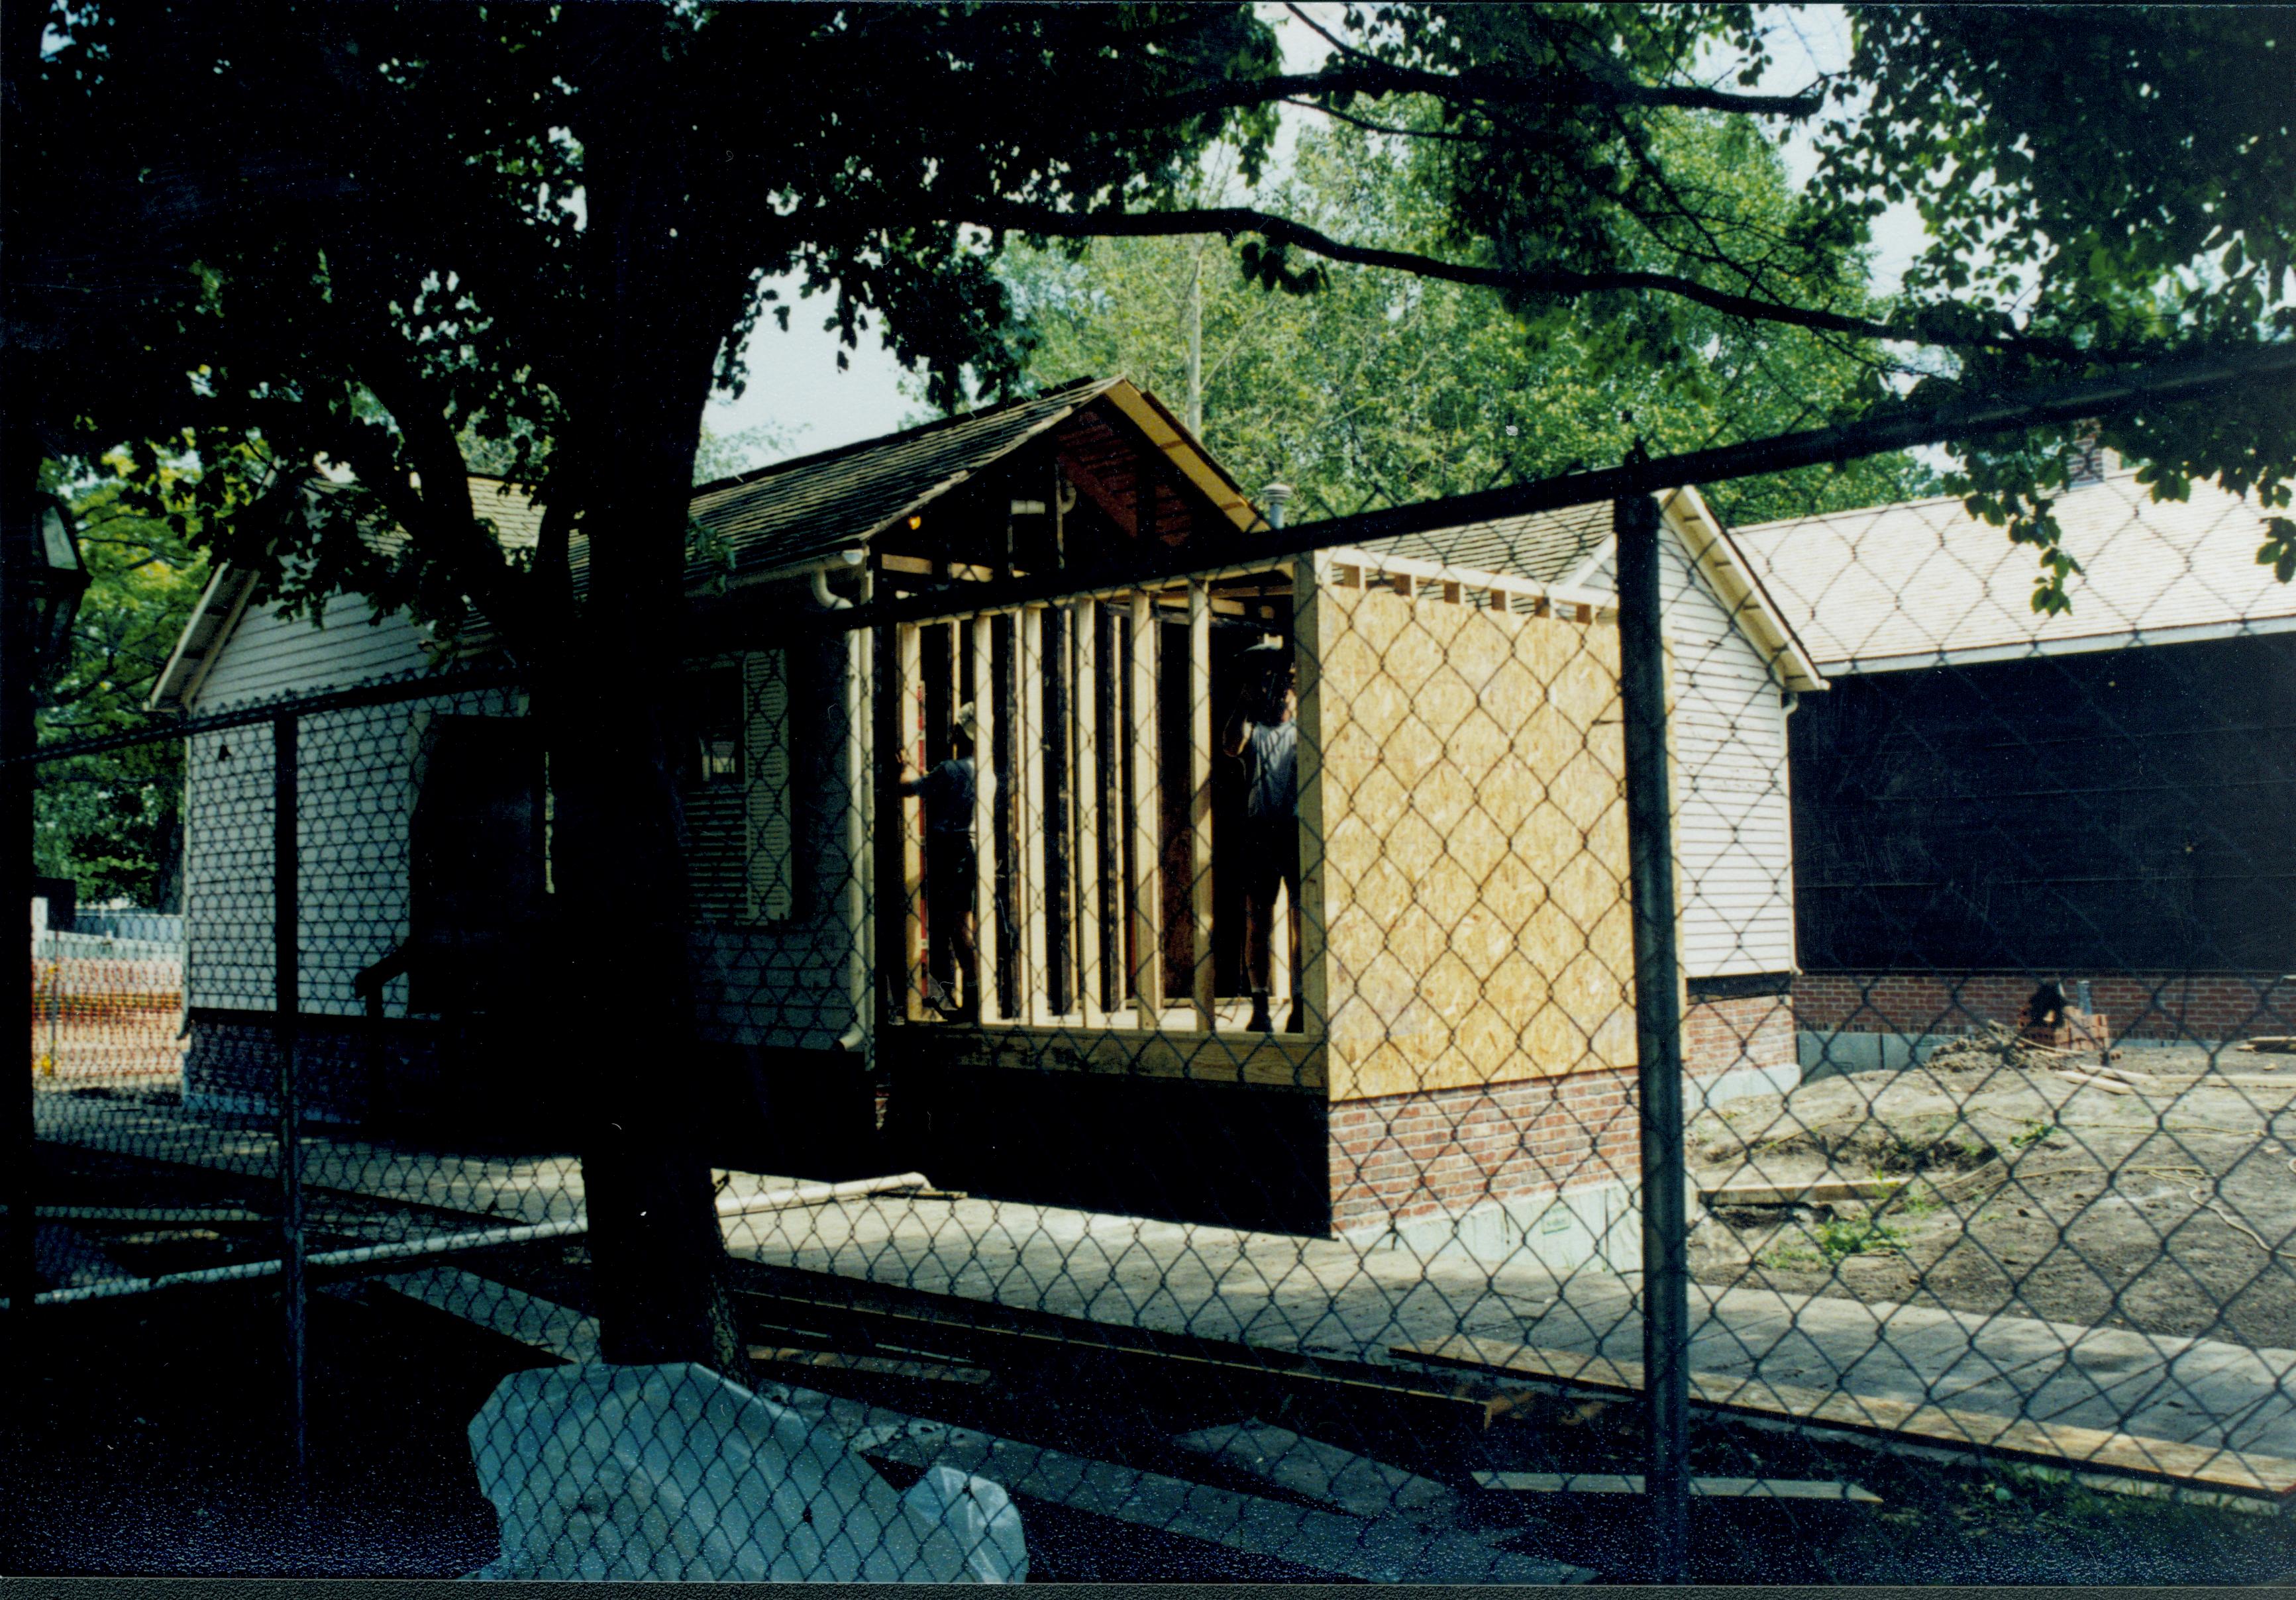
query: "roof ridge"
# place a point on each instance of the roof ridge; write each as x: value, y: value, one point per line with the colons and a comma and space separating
x: 759, y: 474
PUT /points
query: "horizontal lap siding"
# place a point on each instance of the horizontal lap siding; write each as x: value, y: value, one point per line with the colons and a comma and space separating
x: 782, y: 985
x: 268, y: 655
x: 1733, y: 832
x: 356, y: 792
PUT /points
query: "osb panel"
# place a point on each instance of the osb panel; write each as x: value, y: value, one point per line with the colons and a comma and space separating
x: 1475, y: 827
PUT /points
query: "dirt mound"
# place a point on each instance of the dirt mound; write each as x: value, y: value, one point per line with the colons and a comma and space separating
x: 1998, y: 1046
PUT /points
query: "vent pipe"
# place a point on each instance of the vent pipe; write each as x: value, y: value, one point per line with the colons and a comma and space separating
x: 1278, y: 496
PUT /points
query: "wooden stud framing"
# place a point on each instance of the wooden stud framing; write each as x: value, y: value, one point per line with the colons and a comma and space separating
x: 1199, y: 802
x: 1147, y: 886
x: 1028, y: 772
x: 1308, y: 658
x: 984, y: 936
x: 1084, y: 752
x: 909, y: 710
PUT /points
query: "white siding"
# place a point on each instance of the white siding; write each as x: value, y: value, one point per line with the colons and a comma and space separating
x: 355, y: 782
x: 227, y: 905
x: 783, y: 984
x: 1733, y: 835
x: 269, y: 656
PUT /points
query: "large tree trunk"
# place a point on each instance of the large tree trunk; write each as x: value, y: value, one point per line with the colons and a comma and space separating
x: 607, y: 704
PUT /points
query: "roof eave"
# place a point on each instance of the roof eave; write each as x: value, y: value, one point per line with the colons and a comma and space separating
x: 1710, y: 549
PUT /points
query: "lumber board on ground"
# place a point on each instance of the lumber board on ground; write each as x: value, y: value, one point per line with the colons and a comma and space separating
x: 1309, y: 1467
x: 879, y: 1365
x: 2059, y: 1444
x: 545, y: 1325
x: 1834, y: 1191
x: 938, y: 1323
x: 1394, y: 1550
x: 188, y: 1216
x: 1631, y: 1484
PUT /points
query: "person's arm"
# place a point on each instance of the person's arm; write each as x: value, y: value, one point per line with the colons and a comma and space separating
x: 1233, y: 736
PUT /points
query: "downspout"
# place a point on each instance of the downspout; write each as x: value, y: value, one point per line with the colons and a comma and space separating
x: 859, y: 802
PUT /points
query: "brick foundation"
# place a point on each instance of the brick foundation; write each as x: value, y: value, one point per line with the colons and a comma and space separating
x: 1724, y: 1035
x: 1403, y: 1156
x: 2210, y: 1006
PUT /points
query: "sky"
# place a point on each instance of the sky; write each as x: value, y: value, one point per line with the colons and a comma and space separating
x: 797, y: 395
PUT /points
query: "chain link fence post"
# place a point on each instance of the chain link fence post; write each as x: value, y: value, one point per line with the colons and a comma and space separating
x: 1658, y: 1033
x: 287, y: 996
x: 19, y: 1273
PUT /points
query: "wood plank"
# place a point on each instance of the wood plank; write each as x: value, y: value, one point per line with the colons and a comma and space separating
x: 1341, y: 1478
x: 2058, y: 1444
x: 1028, y: 771
x: 1147, y: 955
x: 1084, y: 705
x: 1389, y: 1551
x: 1285, y: 1062
x: 909, y: 708
x: 541, y: 1324
x: 198, y: 1216
x: 874, y: 1365
x: 1631, y: 1484
x: 1307, y: 644
x: 980, y: 996
x: 1200, y: 804
x: 1821, y: 1191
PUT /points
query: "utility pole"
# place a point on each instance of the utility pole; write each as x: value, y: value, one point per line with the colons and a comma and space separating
x: 1196, y: 338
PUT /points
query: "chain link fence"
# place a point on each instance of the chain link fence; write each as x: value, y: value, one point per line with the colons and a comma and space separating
x: 1309, y: 1062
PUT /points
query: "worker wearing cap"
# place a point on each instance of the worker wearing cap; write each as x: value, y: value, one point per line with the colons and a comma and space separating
x: 952, y: 870
x: 1264, y: 732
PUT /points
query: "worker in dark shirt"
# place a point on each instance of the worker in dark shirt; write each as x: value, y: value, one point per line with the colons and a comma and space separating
x: 1264, y: 733
x: 952, y: 870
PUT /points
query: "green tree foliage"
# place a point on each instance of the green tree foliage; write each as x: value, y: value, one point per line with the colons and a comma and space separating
x: 1379, y: 388
x: 112, y: 820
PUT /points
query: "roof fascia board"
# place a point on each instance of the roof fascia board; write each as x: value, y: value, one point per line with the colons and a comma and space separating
x: 2087, y: 644
x: 1168, y: 434
x: 1715, y: 556
x: 164, y: 686
x: 229, y: 592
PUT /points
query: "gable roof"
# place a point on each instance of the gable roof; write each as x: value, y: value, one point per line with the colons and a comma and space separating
x: 1568, y: 550
x: 813, y: 506
x: 764, y: 522
x: 1547, y: 547
x: 1924, y: 583
x: 517, y: 523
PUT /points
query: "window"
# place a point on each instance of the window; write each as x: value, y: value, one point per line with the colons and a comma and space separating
x: 732, y: 763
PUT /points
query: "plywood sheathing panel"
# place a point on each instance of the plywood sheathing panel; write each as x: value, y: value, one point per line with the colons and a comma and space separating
x: 1475, y: 844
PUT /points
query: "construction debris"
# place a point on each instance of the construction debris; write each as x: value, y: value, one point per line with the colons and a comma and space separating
x: 671, y: 1471
x: 1388, y: 1549
x: 1996, y: 1046
x: 1319, y: 1470
x: 1631, y: 1484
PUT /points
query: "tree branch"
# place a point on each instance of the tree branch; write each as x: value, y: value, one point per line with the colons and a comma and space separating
x: 1364, y: 76
x: 1232, y: 220
x: 439, y: 516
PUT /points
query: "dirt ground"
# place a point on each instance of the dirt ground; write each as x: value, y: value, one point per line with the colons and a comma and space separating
x: 2165, y: 1206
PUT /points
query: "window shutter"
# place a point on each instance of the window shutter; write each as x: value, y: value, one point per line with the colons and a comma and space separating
x: 765, y: 681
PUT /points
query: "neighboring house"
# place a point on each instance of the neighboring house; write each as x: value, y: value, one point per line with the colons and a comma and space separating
x: 1991, y: 797
x: 1463, y: 957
